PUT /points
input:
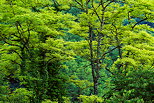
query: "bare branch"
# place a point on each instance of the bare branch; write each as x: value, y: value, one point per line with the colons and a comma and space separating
x: 139, y: 22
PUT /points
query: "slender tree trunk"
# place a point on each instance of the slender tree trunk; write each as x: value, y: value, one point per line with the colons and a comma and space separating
x: 93, y: 63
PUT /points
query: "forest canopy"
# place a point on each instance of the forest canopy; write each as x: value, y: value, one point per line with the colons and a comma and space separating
x: 76, y: 51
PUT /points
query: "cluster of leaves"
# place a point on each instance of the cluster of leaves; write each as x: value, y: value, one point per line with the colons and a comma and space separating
x: 90, y: 99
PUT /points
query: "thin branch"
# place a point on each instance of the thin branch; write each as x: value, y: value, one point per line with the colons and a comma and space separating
x: 12, y: 44
x: 79, y: 3
x: 96, y: 11
x: 109, y: 71
x: 19, y: 25
x: 118, y: 42
x: 87, y: 2
x: 107, y: 5
x: 19, y: 32
x: 29, y: 34
x: 15, y: 35
x: 17, y: 54
x: 16, y: 63
x: 109, y: 52
x: 139, y: 22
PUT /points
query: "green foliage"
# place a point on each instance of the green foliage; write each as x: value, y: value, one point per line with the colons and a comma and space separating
x: 83, y: 84
x: 20, y: 95
x: 99, y: 47
x: 134, y: 86
x: 31, y: 53
x: 90, y: 99
x: 124, y: 98
x: 80, y: 81
x: 66, y: 100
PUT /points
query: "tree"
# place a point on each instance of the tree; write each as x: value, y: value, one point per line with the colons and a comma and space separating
x: 31, y: 53
x: 109, y: 26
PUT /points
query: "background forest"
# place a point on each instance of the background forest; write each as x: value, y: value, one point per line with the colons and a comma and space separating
x: 76, y: 51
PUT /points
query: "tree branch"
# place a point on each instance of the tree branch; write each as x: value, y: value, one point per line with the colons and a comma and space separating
x: 139, y: 22
x: 109, y: 51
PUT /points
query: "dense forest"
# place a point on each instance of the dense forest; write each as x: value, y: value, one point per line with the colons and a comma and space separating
x: 76, y: 51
